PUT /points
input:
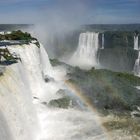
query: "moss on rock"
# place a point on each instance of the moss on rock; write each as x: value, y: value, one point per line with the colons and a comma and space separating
x: 107, y: 89
x: 60, y: 103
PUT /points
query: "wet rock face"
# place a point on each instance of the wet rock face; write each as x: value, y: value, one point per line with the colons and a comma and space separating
x: 60, y: 103
x: 118, y: 39
x: 118, y: 59
x: 118, y: 53
x: 47, y: 79
x: 6, y: 57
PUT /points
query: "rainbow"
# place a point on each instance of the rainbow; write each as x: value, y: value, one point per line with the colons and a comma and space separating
x: 90, y: 106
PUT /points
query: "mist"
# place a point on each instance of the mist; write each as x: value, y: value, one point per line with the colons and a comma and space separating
x: 54, y: 19
x: 57, y: 22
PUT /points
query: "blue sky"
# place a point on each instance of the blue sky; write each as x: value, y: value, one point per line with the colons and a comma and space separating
x: 70, y: 11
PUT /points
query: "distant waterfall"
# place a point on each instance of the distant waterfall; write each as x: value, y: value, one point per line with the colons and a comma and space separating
x: 137, y: 62
x: 136, y: 42
x: 103, y: 41
x: 86, y: 53
x: 137, y: 66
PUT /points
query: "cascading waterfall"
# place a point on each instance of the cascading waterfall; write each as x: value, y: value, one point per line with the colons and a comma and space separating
x: 45, y: 63
x: 137, y: 62
x: 136, y: 42
x: 86, y: 53
x: 31, y: 60
x: 21, y: 82
x: 18, y: 120
x: 102, y: 41
x: 25, y: 80
x: 137, y: 65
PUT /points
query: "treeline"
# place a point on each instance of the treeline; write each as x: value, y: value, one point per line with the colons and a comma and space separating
x: 17, y: 35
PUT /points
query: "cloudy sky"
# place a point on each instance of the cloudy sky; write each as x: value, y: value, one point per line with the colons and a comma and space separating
x: 70, y: 11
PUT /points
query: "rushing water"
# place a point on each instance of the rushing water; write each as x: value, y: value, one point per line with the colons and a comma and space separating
x: 136, y: 42
x: 86, y: 53
x: 137, y: 62
x: 25, y: 94
x: 137, y: 65
x: 18, y: 119
x: 103, y: 41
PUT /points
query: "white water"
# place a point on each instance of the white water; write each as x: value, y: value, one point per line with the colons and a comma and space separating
x: 31, y: 61
x: 18, y: 120
x: 136, y: 42
x: 103, y: 41
x: 86, y: 53
x: 25, y: 80
x: 45, y: 63
x: 137, y: 66
x: 137, y: 62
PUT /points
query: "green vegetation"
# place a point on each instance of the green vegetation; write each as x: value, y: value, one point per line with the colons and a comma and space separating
x: 119, y: 39
x: 9, y: 58
x: 107, y: 90
x: 17, y: 35
x: 61, y: 103
x: 22, y: 37
x: 55, y: 62
x: 123, y: 126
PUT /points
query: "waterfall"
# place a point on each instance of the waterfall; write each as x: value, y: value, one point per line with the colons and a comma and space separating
x: 102, y: 41
x: 18, y: 120
x: 136, y: 42
x: 86, y: 53
x: 35, y: 62
x: 24, y: 95
x: 137, y: 62
x: 137, y: 66
x: 19, y: 85
x: 45, y: 63
x: 30, y: 58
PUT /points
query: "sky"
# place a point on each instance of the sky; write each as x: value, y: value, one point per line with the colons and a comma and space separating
x: 70, y: 11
